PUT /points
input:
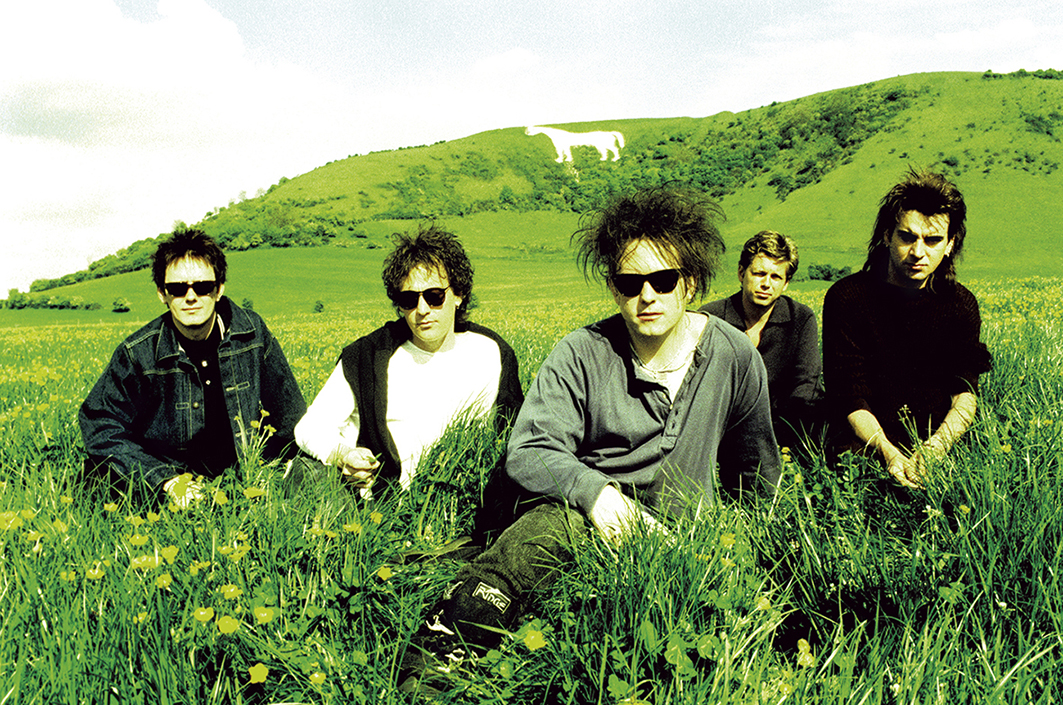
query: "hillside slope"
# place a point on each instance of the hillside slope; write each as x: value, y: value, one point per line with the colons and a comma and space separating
x: 813, y: 168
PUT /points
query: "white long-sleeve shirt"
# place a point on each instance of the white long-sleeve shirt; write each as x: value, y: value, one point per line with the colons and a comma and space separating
x: 426, y: 391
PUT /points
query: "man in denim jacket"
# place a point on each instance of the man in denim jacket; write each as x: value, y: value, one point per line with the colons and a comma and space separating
x: 180, y: 395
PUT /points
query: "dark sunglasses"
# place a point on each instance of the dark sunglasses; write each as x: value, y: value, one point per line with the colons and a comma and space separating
x: 408, y: 300
x: 663, y: 282
x: 179, y: 289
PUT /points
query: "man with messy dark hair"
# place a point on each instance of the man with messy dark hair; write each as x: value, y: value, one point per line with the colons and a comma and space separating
x: 901, y: 338
x: 624, y: 424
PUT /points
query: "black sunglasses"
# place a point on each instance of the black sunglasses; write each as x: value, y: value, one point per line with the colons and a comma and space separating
x: 663, y: 281
x: 178, y: 289
x: 408, y: 300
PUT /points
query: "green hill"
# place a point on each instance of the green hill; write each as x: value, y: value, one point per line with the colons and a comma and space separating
x: 813, y: 168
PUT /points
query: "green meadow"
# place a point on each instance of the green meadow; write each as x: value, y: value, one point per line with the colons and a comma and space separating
x: 843, y: 589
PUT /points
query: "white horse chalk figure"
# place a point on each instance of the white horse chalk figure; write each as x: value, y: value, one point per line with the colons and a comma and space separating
x: 605, y: 142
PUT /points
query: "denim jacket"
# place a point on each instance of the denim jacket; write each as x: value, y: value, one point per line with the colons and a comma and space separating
x: 148, y: 404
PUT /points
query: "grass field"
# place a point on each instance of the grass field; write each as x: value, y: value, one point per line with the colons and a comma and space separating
x: 845, y: 590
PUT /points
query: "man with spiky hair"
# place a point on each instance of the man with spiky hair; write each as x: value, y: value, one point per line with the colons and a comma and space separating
x: 783, y: 331
x: 180, y: 395
x: 625, y: 422
x: 901, y: 338
x: 394, y: 391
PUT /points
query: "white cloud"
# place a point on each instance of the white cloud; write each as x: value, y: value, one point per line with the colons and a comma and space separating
x: 116, y: 128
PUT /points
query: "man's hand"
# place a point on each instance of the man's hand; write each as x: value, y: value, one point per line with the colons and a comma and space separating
x: 183, y: 490
x: 613, y: 514
x: 358, y: 466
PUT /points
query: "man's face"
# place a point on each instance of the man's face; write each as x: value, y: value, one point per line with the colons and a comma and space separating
x: 916, y: 248
x: 649, y: 313
x: 431, y: 325
x: 192, y: 313
x: 763, y: 281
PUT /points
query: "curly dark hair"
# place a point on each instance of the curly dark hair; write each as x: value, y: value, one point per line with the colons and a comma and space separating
x: 430, y: 246
x: 187, y: 243
x: 679, y: 220
x: 928, y: 193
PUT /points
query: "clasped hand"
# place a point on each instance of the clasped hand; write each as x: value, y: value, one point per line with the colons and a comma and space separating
x: 358, y: 466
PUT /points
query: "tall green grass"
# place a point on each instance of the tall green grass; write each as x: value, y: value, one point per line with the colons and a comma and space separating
x: 845, y: 589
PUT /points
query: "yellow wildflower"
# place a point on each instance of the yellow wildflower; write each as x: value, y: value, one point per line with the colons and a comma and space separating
x: 60, y: 526
x: 111, y: 506
x: 263, y: 614
x: 164, y: 581
x: 259, y: 673
x: 220, y: 497
x: 138, y: 539
x: 384, y: 573
x: 203, y: 614
x: 804, y: 655
x: 94, y: 573
x: 230, y: 591
x: 169, y: 553
x: 252, y: 492
x: 727, y: 540
x: 140, y: 618
x: 353, y: 528
x: 135, y: 520
x: 68, y: 575
x: 65, y: 499
x: 376, y: 517
x: 146, y: 562
x: 317, y: 677
x: 534, y: 640
x: 228, y: 625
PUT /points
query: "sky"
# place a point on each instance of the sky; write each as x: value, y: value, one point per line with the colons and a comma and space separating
x: 120, y: 117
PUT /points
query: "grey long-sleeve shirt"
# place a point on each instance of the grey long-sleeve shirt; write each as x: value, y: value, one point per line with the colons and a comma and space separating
x: 592, y: 418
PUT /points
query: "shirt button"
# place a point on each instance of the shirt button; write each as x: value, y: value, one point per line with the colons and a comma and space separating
x: 207, y: 382
x: 195, y: 405
x: 204, y: 363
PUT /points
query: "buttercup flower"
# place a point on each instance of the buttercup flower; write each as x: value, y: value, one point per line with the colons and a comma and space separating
x: 317, y: 677
x: 230, y: 591
x: 111, y: 506
x: 169, y: 553
x: 164, y: 581
x: 384, y: 573
x: 220, y: 497
x: 94, y: 573
x: 376, y: 517
x: 263, y: 614
x: 353, y: 528
x: 804, y: 654
x: 140, y: 618
x: 228, y: 625
x: 534, y: 640
x: 203, y: 614
x: 138, y: 539
x: 252, y: 492
x: 727, y: 540
x: 259, y: 673
x: 146, y: 562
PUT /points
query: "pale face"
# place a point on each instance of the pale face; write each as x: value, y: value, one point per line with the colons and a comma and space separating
x: 763, y: 281
x: 916, y: 248
x: 651, y: 317
x: 193, y: 315
x: 431, y: 327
